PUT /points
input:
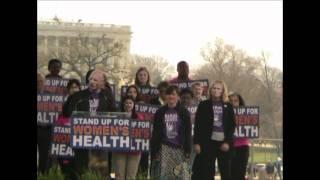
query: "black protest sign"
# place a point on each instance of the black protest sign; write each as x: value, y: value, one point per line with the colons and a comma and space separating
x: 140, y: 135
x: 247, y: 121
x: 56, y: 86
x: 146, y: 93
x: 60, y: 142
x: 204, y: 83
x: 49, y: 106
x: 147, y: 111
x: 117, y: 134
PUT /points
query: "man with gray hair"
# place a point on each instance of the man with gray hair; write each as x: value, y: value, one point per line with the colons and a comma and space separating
x: 93, y: 99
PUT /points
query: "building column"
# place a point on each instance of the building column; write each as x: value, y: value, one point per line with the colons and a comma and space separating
x: 45, y: 44
x: 57, y: 44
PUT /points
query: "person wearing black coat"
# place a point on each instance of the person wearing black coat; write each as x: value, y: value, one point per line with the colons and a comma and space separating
x: 213, y: 134
x: 92, y: 99
x: 157, y: 135
x: 171, y: 135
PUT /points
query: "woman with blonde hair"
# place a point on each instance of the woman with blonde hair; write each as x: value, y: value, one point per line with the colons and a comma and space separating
x: 143, y: 80
x: 213, y: 134
x: 142, y: 77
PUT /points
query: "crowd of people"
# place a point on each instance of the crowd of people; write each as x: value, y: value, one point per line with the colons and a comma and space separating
x: 172, y: 143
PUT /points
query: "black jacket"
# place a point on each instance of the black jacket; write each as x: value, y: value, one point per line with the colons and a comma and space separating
x: 204, y: 123
x: 159, y: 125
x: 155, y: 101
x: 80, y: 102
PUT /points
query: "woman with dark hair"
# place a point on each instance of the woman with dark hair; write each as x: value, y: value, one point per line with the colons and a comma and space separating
x: 160, y: 99
x: 171, y: 137
x: 133, y: 91
x: 213, y: 134
x: 236, y: 99
x: 126, y: 163
x: 67, y: 164
x: 240, y: 150
x: 73, y: 86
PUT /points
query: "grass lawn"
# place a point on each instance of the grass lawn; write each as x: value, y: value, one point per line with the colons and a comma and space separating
x: 263, y: 155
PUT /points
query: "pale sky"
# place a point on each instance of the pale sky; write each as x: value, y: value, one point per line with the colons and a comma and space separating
x: 177, y: 30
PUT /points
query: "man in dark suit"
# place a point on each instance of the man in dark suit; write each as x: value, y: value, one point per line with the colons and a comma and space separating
x: 93, y: 99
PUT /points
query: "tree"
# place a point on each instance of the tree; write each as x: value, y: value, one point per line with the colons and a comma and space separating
x: 252, y: 77
x: 158, y: 67
x: 232, y: 65
x: 272, y: 79
x: 85, y: 53
x: 217, y: 55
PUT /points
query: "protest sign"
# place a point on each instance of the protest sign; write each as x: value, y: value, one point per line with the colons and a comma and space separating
x: 146, y: 93
x: 247, y: 121
x: 60, y: 142
x: 49, y: 106
x: 188, y: 84
x: 56, y: 86
x: 113, y: 133
x: 146, y: 110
